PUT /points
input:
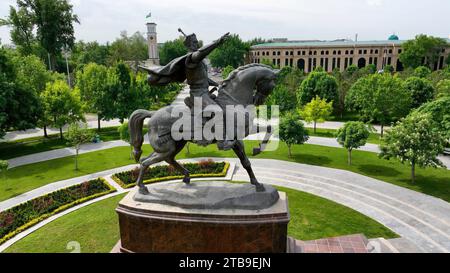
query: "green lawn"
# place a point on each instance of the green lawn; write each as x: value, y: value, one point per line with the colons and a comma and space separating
x: 435, y: 182
x: 96, y: 226
x: 321, y: 132
x: 21, y: 147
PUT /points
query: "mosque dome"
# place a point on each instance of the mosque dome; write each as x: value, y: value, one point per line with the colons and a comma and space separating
x: 393, y: 37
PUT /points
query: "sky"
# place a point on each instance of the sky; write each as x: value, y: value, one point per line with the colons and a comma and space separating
x: 103, y: 20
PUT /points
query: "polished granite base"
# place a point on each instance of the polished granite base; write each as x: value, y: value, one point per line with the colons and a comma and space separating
x: 159, y: 228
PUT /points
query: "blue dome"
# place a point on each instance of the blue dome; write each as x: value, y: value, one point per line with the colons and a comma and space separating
x: 393, y: 37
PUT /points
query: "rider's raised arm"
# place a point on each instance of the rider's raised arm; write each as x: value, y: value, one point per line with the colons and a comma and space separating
x: 200, y: 54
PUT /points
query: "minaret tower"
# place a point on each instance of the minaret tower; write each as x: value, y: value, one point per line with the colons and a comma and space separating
x: 153, y: 56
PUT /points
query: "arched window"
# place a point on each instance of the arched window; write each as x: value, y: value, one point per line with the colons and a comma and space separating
x: 361, y: 62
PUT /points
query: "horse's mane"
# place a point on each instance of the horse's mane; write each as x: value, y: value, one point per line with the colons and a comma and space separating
x: 234, y: 73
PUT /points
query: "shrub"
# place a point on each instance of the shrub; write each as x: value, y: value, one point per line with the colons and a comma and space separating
x: 159, y: 173
x: 25, y: 215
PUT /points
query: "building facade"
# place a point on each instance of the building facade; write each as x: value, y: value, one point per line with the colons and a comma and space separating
x: 340, y: 54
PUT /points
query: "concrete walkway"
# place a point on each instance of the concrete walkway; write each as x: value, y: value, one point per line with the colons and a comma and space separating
x: 421, y: 219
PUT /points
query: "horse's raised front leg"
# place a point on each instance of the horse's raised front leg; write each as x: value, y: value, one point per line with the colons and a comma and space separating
x: 240, y: 152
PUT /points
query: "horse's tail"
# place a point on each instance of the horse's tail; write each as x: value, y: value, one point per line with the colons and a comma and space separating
x: 135, y: 128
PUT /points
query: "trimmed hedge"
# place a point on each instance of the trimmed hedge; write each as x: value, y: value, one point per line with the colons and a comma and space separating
x: 206, y: 168
x: 21, y: 217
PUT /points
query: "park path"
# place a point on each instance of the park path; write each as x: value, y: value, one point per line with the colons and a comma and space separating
x: 422, y: 220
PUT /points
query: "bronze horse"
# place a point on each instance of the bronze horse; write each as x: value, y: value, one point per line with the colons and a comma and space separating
x: 237, y: 89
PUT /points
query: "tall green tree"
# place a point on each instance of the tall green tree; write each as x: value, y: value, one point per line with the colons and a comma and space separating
x: 318, y: 83
x: 20, y: 107
x: 352, y: 135
x: 32, y: 74
x: 423, y: 50
x: 62, y: 105
x: 91, y: 52
x: 122, y: 93
x: 22, y: 27
x: 421, y: 90
x: 231, y: 52
x: 415, y: 141
x: 439, y: 110
x: 77, y: 135
x: 171, y: 50
x: 282, y: 97
x: 379, y: 98
x: 54, y: 21
x: 129, y: 48
x: 292, y: 131
x: 317, y: 110
x: 93, y: 85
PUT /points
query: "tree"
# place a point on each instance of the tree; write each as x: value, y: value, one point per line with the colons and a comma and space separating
x: 91, y: 52
x: 92, y: 83
x: 414, y: 140
x: 318, y: 110
x: 124, y: 134
x: 231, y: 52
x: 422, y: 71
x: 54, y: 24
x: 352, y: 135
x: 292, y: 131
x: 421, y: 90
x: 171, y: 50
x: 133, y: 48
x: 62, y: 105
x: 77, y: 135
x: 121, y: 93
x: 439, y: 110
x: 22, y: 26
x: 318, y: 83
x: 282, y: 97
x: 443, y: 88
x: 20, y: 108
x: 423, y: 50
x: 32, y: 74
x: 379, y: 98
x: 226, y: 71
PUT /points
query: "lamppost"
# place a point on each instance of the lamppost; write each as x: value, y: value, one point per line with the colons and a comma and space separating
x: 66, y: 55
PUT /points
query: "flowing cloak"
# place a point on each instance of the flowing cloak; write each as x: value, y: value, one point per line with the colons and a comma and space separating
x: 174, y: 71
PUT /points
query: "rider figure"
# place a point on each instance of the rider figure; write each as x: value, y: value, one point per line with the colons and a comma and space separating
x: 192, y: 68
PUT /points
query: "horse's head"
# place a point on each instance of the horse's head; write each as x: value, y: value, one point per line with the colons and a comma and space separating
x: 264, y: 85
x: 242, y: 82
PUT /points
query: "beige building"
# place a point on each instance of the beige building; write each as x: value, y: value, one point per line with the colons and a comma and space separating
x: 307, y: 55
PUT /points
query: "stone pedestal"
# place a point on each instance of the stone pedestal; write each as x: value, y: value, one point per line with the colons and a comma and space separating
x: 156, y: 227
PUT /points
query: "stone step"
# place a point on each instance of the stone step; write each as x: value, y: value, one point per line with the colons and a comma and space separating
x: 356, y: 243
x: 404, y: 245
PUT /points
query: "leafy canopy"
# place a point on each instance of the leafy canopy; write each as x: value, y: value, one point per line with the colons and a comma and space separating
x: 318, y: 110
x: 379, y: 97
x: 352, y: 135
x: 318, y: 83
x: 414, y: 140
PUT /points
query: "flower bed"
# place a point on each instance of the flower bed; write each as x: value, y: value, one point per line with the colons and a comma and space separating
x: 205, y: 168
x: 17, y: 219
